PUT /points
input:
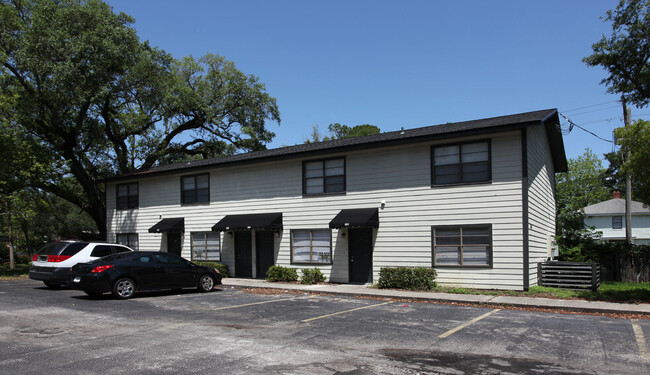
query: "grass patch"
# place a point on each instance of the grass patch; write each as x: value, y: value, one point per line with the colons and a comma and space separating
x: 610, y: 291
x: 19, y: 272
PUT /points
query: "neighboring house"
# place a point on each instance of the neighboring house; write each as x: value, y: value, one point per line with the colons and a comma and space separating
x: 475, y: 200
x: 608, y: 217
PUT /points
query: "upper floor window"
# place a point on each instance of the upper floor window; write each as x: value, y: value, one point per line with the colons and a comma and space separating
x: 127, y: 196
x: 461, y: 163
x: 323, y: 176
x: 617, y: 222
x: 466, y: 245
x: 195, y: 188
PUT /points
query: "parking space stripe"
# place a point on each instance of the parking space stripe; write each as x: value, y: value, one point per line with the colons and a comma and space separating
x: 640, y: 339
x: 254, y: 303
x: 452, y: 331
x: 343, y: 312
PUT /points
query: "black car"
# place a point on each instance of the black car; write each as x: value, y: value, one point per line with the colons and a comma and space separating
x: 126, y: 273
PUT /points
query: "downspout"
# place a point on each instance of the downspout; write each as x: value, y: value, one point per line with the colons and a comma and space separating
x: 524, y: 203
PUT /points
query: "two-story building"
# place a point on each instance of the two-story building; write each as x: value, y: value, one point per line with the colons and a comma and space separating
x: 475, y: 200
x: 608, y: 218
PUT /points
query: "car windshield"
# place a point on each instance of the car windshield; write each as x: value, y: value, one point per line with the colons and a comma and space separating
x: 114, y: 257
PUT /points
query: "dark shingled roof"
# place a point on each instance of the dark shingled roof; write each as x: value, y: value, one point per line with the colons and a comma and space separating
x: 548, y: 117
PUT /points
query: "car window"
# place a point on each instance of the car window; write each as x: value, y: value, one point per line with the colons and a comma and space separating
x: 101, y: 251
x: 168, y: 259
x: 120, y: 249
x: 113, y: 257
x: 53, y: 248
x: 74, y: 248
x: 143, y: 259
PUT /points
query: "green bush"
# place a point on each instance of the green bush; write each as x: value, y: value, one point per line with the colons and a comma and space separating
x: 222, y: 268
x: 279, y: 273
x: 312, y: 276
x: 410, y: 278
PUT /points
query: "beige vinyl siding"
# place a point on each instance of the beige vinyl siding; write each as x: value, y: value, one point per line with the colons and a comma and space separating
x: 398, y: 175
x: 541, y: 198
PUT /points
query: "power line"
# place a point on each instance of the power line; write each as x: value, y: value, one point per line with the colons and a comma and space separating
x: 594, y: 110
x: 572, y: 124
x: 590, y: 106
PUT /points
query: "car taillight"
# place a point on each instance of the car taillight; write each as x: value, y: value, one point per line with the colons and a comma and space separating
x: 216, y: 270
x: 99, y: 269
x: 57, y: 258
x: 35, y: 257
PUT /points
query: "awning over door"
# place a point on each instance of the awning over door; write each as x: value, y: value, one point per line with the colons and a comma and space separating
x: 357, y: 217
x: 172, y: 225
x: 271, y: 221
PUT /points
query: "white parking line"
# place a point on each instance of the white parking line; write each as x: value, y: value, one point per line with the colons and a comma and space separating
x: 343, y: 312
x: 640, y: 340
x: 452, y: 331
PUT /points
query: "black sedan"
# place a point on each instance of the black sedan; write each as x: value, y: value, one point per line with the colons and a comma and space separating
x: 124, y: 274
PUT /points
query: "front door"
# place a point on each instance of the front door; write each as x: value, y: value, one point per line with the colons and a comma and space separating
x: 360, y: 255
x: 174, y: 243
x: 264, y: 252
x: 243, y: 254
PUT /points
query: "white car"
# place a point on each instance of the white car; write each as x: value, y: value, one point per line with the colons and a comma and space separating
x: 53, y: 262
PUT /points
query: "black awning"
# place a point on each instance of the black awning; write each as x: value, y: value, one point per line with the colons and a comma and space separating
x: 173, y: 225
x: 272, y: 221
x: 358, y: 217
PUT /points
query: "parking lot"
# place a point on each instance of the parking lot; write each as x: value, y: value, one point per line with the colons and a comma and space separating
x: 232, y: 331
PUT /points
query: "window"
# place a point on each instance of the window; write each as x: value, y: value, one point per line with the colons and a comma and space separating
x: 101, y: 251
x: 195, y: 189
x: 311, y: 246
x: 169, y: 259
x: 128, y: 239
x: 617, y: 222
x: 463, y: 163
x: 467, y: 245
x: 205, y: 246
x: 127, y: 196
x: 323, y: 176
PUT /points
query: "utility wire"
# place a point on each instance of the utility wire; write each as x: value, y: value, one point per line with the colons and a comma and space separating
x: 572, y: 124
x: 595, y: 110
x: 590, y: 106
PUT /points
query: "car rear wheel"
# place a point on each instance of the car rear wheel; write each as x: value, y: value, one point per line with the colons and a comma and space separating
x: 206, y: 283
x: 124, y: 288
x: 51, y: 284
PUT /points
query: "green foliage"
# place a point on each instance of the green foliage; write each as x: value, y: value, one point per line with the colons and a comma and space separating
x: 312, y: 276
x: 21, y: 271
x: 221, y: 267
x: 96, y: 101
x: 282, y: 274
x: 634, y: 139
x: 338, y: 131
x: 410, y: 278
x: 582, y: 185
x: 625, y: 53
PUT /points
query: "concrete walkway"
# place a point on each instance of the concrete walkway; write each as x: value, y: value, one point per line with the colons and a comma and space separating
x: 363, y: 290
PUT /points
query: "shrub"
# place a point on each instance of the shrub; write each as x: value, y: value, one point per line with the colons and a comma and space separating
x: 279, y: 273
x: 312, y: 276
x: 411, y: 278
x: 222, y: 268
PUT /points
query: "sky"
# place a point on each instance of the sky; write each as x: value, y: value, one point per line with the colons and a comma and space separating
x: 398, y: 64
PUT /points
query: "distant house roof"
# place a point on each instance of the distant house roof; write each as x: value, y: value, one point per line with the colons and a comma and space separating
x: 548, y: 117
x: 615, y: 206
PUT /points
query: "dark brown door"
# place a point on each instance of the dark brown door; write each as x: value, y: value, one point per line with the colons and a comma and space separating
x: 264, y: 252
x: 360, y: 255
x: 174, y: 243
x: 243, y: 254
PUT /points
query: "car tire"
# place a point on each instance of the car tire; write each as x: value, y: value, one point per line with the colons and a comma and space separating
x: 124, y: 288
x: 206, y: 283
x: 52, y: 285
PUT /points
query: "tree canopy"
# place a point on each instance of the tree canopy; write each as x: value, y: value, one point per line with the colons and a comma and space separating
x: 635, y: 155
x: 339, y: 131
x: 625, y: 53
x: 99, y: 102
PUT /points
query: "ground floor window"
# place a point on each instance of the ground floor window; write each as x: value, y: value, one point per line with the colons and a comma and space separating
x: 128, y: 239
x: 311, y: 246
x: 206, y: 246
x: 462, y: 245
